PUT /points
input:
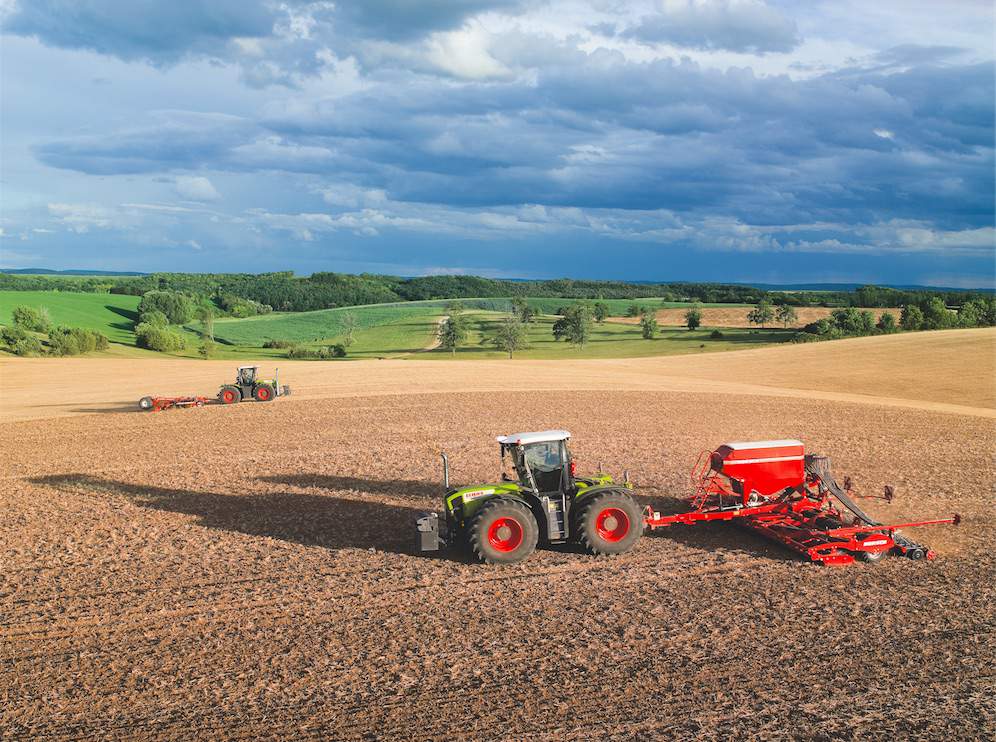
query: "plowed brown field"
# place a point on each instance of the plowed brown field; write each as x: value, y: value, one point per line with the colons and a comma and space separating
x: 737, y: 317
x: 246, y: 572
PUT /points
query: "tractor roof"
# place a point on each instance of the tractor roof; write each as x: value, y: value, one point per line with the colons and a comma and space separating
x: 542, y: 436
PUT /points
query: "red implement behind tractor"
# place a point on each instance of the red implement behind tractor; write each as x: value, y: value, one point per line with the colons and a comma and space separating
x: 156, y: 404
x: 776, y: 489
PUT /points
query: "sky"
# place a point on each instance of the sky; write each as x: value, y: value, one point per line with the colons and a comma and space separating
x: 717, y: 140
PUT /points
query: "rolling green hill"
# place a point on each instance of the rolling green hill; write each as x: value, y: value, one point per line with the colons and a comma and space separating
x: 111, y: 314
x: 382, y: 330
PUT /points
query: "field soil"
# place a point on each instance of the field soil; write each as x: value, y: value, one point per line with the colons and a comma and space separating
x: 246, y: 571
x: 737, y: 316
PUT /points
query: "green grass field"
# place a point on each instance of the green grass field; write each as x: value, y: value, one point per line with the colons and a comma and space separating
x: 609, y: 340
x: 312, y: 327
x: 111, y: 314
x: 384, y: 330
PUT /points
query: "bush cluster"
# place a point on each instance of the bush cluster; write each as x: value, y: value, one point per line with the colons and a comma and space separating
x: 277, y: 343
x: 20, y: 342
x: 240, y: 307
x: 31, y: 319
x: 325, y: 353
x: 74, y: 341
x: 176, y: 307
x: 160, y: 338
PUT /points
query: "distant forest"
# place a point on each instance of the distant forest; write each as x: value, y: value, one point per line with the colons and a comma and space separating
x: 285, y: 292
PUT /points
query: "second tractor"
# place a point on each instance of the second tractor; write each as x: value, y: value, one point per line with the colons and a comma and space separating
x: 248, y: 386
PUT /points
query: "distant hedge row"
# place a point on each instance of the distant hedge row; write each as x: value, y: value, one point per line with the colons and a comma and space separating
x: 245, y: 294
x: 930, y: 314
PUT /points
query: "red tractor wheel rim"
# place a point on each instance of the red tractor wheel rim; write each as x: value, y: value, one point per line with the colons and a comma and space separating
x: 505, y: 534
x: 612, y: 524
x: 228, y: 396
x: 264, y: 393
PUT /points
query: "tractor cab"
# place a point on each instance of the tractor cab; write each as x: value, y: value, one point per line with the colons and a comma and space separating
x: 246, y: 376
x: 542, y: 461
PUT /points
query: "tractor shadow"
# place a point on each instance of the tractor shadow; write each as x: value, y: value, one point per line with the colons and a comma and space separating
x: 307, y: 519
x: 400, y: 488
x: 109, y: 407
x: 122, y: 407
x: 395, y: 519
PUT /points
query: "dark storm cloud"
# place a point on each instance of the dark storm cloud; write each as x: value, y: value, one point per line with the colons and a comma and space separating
x: 733, y: 26
x: 407, y: 19
x: 601, y: 132
x: 291, y: 31
x: 160, y: 32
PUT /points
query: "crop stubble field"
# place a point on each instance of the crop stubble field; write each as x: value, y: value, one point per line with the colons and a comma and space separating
x: 246, y: 571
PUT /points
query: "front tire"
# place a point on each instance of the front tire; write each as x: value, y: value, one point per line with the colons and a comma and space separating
x: 610, y: 523
x: 263, y: 393
x: 503, y: 531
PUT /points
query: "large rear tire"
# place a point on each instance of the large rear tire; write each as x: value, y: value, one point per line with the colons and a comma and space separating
x: 263, y: 393
x: 610, y: 523
x: 230, y: 395
x: 503, y: 531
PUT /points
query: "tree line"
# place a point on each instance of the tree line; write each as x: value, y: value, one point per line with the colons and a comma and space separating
x: 246, y: 294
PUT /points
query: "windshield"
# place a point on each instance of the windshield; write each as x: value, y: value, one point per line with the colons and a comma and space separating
x: 546, y: 463
x: 544, y: 457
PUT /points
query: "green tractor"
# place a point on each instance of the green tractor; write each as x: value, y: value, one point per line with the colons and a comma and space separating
x: 543, y: 500
x: 248, y: 386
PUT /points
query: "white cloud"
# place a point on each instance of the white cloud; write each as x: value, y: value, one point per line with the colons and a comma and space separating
x: 80, y: 218
x: 196, y: 188
x: 464, y: 53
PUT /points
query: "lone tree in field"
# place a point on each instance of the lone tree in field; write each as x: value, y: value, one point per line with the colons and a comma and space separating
x: 762, y: 314
x: 648, y: 324
x: 522, y: 310
x: 600, y: 310
x: 510, y: 336
x: 348, y: 328
x: 693, y: 317
x: 452, y: 332
x: 786, y: 315
x: 205, y: 315
x: 575, y: 325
